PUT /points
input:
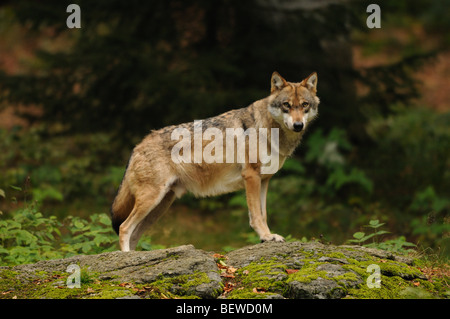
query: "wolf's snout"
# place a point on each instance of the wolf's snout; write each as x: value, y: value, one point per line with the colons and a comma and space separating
x: 298, y: 126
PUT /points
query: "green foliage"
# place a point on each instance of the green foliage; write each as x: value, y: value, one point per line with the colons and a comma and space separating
x: 46, y: 192
x: 412, y: 153
x: 59, y: 168
x: 398, y: 245
x: 28, y: 236
x: 339, y: 177
x: 409, y: 167
x: 429, y: 200
x: 432, y: 222
x: 361, y: 237
x: 91, y: 236
x: 327, y: 151
x: 145, y: 65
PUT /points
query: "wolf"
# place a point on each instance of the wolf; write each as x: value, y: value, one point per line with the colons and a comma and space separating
x: 153, y: 179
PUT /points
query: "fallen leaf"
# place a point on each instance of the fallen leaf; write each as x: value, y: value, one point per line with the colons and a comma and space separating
x: 138, y: 290
x: 227, y: 275
x: 259, y: 290
x: 218, y: 256
x: 291, y: 271
x: 231, y: 270
x: 221, y: 266
x: 416, y: 284
x: 228, y: 287
x: 89, y: 290
x: 246, y: 272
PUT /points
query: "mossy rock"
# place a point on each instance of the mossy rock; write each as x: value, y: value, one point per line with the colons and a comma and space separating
x: 317, y: 271
x: 180, y: 272
x: 267, y: 270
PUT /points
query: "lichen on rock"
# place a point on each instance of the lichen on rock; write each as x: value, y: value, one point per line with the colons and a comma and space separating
x: 267, y: 270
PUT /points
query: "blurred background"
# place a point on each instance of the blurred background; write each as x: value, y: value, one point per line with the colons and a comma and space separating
x: 74, y: 102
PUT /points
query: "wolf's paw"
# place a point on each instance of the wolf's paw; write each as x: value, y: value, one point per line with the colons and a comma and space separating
x: 272, y: 237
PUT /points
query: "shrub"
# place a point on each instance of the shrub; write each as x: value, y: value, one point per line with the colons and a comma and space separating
x: 29, y: 236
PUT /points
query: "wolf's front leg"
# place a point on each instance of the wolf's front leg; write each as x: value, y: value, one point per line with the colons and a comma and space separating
x: 252, y: 180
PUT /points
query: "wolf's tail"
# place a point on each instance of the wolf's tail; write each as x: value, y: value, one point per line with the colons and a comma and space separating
x: 122, y: 206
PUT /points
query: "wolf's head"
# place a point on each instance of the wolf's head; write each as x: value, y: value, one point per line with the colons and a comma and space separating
x: 293, y: 105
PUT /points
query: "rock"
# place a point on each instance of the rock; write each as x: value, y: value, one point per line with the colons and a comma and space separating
x: 180, y: 264
x: 317, y: 271
x: 268, y: 270
x: 317, y: 289
x: 129, y: 297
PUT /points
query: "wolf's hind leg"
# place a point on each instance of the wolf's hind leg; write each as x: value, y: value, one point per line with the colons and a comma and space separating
x: 151, y: 218
x: 146, y: 200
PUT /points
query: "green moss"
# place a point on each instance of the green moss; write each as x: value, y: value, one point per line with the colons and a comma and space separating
x: 391, y: 268
x: 348, y: 276
x: 307, y: 273
x: 336, y: 255
x: 9, y: 283
x: 41, y: 273
x: 398, y: 280
x: 308, y: 253
x: 265, y: 275
x: 177, y: 287
x: 415, y: 293
x: 270, y: 276
x: 390, y: 289
x: 390, y: 285
x: 51, y: 286
x: 259, y: 279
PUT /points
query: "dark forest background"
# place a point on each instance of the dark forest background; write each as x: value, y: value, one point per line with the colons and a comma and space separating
x: 74, y: 102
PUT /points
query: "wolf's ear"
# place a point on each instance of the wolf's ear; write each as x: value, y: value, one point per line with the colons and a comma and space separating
x: 277, y: 82
x: 311, y: 82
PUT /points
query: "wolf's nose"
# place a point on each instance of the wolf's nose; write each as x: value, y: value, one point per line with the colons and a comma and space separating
x: 298, y: 126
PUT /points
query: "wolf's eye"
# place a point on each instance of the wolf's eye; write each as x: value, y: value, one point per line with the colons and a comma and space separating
x: 305, y: 104
x: 286, y: 107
